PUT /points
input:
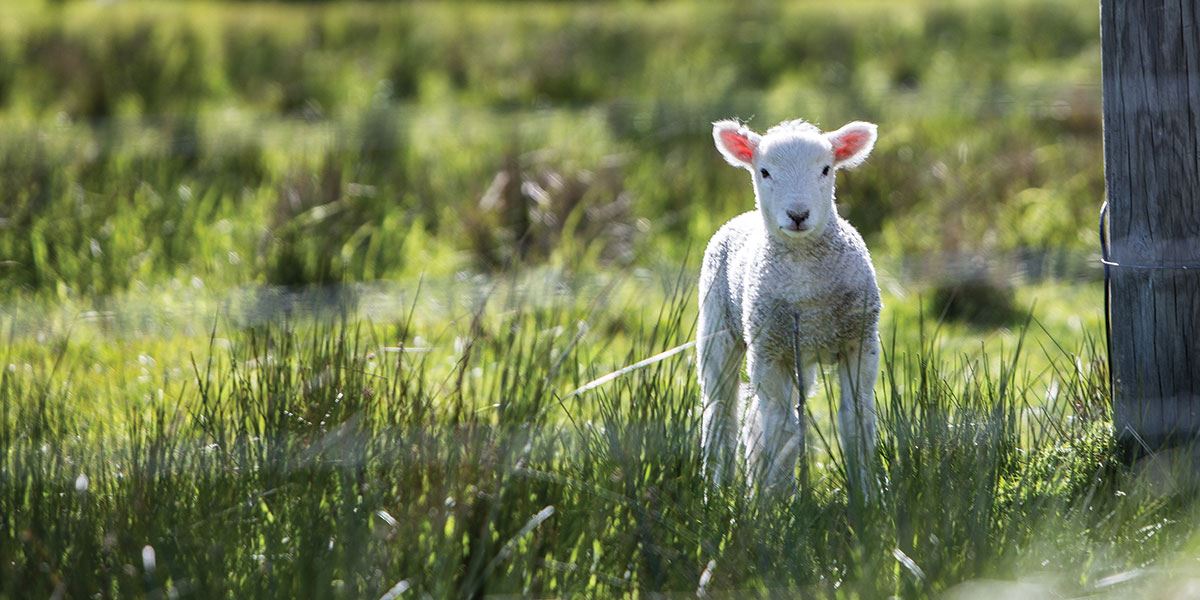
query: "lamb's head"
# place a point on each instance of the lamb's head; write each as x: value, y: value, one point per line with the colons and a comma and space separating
x: 792, y: 167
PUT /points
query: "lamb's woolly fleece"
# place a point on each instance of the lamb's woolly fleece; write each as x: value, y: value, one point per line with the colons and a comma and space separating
x: 764, y: 285
x: 788, y: 285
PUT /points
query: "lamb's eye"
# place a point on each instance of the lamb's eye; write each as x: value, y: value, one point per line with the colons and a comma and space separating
x: 825, y: 171
x: 765, y: 174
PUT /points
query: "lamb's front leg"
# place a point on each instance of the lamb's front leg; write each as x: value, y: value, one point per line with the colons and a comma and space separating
x: 771, y: 434
x: 720, y: 356
x: 858, y: 367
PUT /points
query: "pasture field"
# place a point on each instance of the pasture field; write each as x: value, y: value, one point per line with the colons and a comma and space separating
x: 318, y: 300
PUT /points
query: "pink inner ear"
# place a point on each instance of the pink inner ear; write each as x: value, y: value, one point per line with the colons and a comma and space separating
x: 738, y: 144
x: 847, y: 144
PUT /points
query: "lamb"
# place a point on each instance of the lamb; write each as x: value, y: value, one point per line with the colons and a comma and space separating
x: 787, y: 286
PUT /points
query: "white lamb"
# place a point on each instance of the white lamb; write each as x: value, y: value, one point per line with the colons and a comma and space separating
x: 790, y: 275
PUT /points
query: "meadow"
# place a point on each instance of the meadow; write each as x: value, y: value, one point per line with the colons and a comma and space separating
x: 319, y: 300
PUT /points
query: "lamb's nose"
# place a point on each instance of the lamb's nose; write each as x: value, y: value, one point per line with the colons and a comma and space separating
x: 798, y: 218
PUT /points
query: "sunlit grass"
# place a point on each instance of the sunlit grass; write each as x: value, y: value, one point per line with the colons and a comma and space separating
x: 338, y: 457
x: 330, y: 143
x: 297, y: 300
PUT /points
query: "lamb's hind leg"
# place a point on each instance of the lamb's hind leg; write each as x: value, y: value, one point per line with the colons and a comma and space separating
x: 858, y: 367
x: 720, y: 355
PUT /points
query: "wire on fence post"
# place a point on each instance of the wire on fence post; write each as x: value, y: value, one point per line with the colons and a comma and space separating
x: 1104, y: 258
x: 1109, y: 265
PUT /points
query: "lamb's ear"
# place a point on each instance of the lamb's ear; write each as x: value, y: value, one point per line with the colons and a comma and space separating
x: 852, y: 143
x: 736, y: 142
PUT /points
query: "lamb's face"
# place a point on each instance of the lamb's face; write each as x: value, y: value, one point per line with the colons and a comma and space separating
x: 793, y: 182
x: 793, y: 167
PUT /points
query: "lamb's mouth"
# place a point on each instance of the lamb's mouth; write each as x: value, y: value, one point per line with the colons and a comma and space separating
x: 794, y: 230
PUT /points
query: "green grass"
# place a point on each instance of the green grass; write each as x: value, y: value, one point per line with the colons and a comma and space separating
x: 337, y: 457
x: 319, y: 143
x: 296, y: 298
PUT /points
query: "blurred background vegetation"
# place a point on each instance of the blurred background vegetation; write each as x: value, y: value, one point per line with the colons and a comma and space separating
x: 233, y: 143
x: 295, y: 294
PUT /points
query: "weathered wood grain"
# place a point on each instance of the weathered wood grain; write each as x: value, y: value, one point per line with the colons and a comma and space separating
x: 1151, y: 76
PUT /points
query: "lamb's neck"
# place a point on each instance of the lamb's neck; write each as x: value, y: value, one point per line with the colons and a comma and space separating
x: 808, y: 249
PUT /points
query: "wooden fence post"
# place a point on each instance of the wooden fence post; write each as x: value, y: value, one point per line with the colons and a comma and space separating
x: 1151, y: 77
